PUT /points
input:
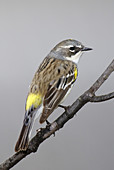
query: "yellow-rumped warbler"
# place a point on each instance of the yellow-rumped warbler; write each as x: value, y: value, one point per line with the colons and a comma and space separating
x: 51, y: 83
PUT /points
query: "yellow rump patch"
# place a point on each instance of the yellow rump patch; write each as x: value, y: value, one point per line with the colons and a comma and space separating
x: 75, y: 73
x: 33, y: 99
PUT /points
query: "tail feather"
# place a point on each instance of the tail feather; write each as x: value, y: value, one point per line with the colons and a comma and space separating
x: 23, y: 140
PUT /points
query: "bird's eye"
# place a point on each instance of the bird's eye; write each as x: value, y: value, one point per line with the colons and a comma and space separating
x: 72, y: 48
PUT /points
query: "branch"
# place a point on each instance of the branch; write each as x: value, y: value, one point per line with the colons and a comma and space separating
x: 102, y: 98
x: 70, y: 111
x: 103, y: 77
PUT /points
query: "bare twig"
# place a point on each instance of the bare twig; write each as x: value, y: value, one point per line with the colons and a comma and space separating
x: 103, y: 77
x: 102, y: 98
x: 70, y: 111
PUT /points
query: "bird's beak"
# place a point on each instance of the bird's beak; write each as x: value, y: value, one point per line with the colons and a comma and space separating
x: 86, y: 49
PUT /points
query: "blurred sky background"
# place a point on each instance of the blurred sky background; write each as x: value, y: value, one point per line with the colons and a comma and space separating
x: 29, y: 29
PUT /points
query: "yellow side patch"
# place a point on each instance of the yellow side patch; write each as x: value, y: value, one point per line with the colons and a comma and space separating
x: 33, y: 99
x: 75, y: 73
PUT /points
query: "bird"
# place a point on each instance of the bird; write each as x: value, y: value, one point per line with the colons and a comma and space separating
x: 50, y: 85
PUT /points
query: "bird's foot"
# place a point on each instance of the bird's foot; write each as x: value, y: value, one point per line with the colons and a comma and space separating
x: 48, y: 126
x: 48, y: 123
x: 64, y: 107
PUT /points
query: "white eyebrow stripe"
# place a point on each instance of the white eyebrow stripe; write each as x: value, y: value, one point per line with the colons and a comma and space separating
x: 69, y: 46
x: 79, y: 46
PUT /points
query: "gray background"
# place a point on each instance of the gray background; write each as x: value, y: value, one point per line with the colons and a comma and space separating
x: 28, y: 31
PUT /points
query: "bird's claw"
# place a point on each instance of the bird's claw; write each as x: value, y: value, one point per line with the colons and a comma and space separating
x: 64, y: 107
x: 48, y: 126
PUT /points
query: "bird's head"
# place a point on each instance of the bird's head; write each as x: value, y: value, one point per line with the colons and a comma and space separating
x: 70, y: 50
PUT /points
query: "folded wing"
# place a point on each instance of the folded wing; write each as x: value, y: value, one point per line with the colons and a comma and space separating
x: 57, y: 91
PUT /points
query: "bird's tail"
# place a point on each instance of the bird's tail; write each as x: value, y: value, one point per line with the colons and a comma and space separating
x: 23, y: 140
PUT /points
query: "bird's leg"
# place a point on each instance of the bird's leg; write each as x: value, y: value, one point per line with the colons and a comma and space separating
x: 48, y: 123
x: 48, y: 126
x: 64, y: 107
